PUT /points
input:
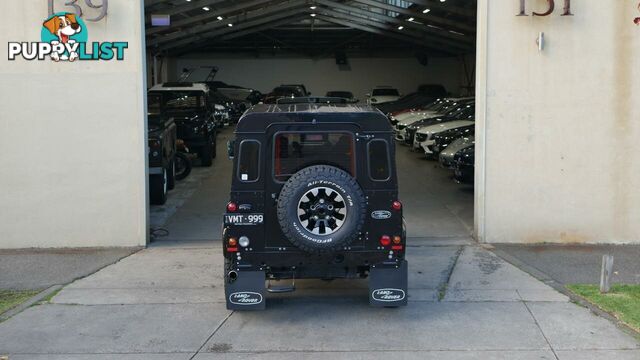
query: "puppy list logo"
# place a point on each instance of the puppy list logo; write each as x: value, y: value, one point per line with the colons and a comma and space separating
x: 65, y: 38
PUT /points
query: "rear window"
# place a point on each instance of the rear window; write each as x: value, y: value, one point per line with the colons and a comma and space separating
x: 379, y: 162
x: 295, y: 151
x: 249, y: 161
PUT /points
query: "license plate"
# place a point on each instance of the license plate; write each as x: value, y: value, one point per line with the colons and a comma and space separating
x: 243, y: 219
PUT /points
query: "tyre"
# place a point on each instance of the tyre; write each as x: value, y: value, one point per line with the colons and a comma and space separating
x: 158, y: 188
x: 171, y: 178
x: 183, y: 166
x: 206, y: 153
x: 321, y: 209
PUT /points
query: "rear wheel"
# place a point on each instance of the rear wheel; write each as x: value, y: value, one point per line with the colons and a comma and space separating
x: 182, y: 166
x: 321, y: 209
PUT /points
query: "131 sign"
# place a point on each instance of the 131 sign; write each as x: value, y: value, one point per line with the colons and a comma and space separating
x: 549, y: 11
x: 102, y: 7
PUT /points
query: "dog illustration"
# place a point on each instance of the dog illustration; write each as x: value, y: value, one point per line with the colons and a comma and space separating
x: 63, y: 27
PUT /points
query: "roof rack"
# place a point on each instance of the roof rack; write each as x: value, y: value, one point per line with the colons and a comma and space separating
x: 313, y: 100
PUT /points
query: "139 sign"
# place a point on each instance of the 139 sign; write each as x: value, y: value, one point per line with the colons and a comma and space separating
x: 101, y: 5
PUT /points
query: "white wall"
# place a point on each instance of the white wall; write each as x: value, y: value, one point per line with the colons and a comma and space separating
x: 320, y: 76
x: 72, y: 137
x: 559, y: 138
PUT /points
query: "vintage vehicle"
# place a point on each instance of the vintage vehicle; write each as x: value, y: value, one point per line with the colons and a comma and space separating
x: 162, y: 157
x: 314, y: 194
x: 194, y: 113
x: 424, y: 137
x: 382, y: 95
x: 284, y: 92
x: 465, y: 165
x: 348, y: 95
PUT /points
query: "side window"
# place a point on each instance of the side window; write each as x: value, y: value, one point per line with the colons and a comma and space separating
x: 249, y: 161
x: 379, y: 167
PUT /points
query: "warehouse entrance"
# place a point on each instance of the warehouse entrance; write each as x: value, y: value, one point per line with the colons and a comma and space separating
x: 415, y: 61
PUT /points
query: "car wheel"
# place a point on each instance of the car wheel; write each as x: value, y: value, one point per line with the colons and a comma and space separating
x: 321, y: 209
x: 183, y: 166
x: 171, y: 179
x: 158, y: 188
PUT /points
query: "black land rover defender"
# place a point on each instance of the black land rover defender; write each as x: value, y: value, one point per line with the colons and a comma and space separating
x: 314, y: 195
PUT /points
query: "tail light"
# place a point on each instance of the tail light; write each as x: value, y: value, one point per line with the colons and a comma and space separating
x: 397, y: 205
x: 233, y: 242
x: 232, y: 207
x: 385, y: 240
x: 397, y: 239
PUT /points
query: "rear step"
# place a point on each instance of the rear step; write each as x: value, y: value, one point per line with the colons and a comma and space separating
x: 282, y: 289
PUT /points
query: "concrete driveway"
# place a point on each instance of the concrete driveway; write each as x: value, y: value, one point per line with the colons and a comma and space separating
x: 167, y: 302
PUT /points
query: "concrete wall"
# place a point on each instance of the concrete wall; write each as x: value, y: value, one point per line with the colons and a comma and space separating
x: 323, y: 75
x: 72, y: 137
x: 558, y: 134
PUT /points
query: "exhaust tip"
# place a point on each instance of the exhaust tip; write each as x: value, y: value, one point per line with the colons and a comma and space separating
x: 233, y: 276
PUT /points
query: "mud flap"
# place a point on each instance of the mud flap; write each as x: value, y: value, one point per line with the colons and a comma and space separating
x: 388, y: 285
x: 246, y: 292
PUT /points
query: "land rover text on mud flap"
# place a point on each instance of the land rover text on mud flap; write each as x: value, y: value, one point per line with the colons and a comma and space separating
x: 314, y: 195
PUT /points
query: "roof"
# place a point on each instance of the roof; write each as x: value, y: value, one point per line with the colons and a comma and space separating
x: 260, y: 117
x: 181, y: 87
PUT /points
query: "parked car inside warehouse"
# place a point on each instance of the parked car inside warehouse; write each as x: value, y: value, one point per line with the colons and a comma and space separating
x: 348, y: 95
x: 442, y: 140
x: 382, y: 95
x: 425, y: 95
x: 438, y: 108
x: 447, y: 156
x: 424, y: 137
x: 190, y: 106
x: 461, y: 110
x: 162, y: 135
x: 465, y: 165
x: 283, y: 92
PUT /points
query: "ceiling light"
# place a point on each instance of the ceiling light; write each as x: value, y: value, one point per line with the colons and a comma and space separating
x: 313, y: 15
x: 220, y: 17
x: 400, y: 27
x: 426, y: 11
x: 312, y: 7
x: 206, y: 8
x: 443, y: 0
x: 410, y: 19
x: 229, y: 24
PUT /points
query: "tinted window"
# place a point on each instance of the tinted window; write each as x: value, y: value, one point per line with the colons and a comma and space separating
x: 379, y: 168
x: 184, y: 100
x: 295, y: 151
x: 249, y: 162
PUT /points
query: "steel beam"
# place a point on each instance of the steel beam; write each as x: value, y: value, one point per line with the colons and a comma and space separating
x: 194, y: 31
